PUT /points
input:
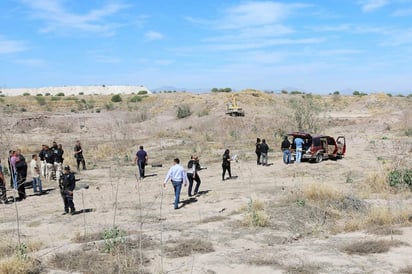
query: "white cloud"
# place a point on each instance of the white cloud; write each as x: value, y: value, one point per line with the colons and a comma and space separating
x: 153, y: 35
x: 56, y: 17
x: 11, y: 46
x: 372, y: 5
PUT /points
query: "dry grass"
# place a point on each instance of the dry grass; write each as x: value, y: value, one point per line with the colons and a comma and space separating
x: 187, y: 247
x: 80, y: 238
x: 14, y: 265
x: 369, y: 247
x: 406, y: 270
x: 211, y: 219
x: 321, y: 192
x: 375, y: 182
x: 94, y: 262
x: 384, y: 231
x: 376, y: 217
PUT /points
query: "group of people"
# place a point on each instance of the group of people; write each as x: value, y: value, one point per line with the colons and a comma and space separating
x: 286, y: 149
x: 49, y: 167
x: 262, y: 150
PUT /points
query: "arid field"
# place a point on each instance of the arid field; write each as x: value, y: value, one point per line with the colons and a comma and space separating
x: 352, y: 215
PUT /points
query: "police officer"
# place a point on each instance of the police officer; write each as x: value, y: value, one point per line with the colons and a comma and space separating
x: 67, y: 184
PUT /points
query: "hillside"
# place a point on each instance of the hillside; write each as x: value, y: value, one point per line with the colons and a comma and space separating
x: 337, y: 216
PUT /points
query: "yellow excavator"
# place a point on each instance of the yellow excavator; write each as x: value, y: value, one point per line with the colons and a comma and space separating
x: 233, y: 109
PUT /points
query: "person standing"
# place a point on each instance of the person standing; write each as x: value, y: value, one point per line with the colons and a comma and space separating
x: 192, y: 174
x: 299, y: 145
x: 177, y: 176
x: 35, y: 173
x: 258, y: 150
x: 78, y: 154
x: 264, y: 148
x: 67, y: 184
x: 285, y: 147
x: 3, y: 191
x: 21, y: 174
x: 43, y: 160
x: 141, y: 161
x: 226, y: 164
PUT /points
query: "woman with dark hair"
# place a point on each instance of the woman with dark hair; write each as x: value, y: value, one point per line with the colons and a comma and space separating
x: 226, y: 164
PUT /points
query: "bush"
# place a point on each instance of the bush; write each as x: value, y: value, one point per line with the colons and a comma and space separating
x: 398, y: 178
x: 116, y: 98
x: 26, y: 94
x: 55, y: 98
x: 40, y: 100
x: 60, y: 94
x: 136, y: 99
x: 183, y: 111
x: 142, y: 92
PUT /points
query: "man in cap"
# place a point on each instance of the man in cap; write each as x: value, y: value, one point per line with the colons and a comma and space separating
x: 67, y: 185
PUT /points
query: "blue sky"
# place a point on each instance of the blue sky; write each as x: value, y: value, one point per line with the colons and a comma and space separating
x: 313, y: 46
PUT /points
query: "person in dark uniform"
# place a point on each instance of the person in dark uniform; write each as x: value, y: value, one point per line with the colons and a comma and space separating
x: 258, y: 150
x: 67, y: 184
x: 78, y: 154
x: 3, y: 195
x: 192, y: 174
x: 226, y: 164
x: 21, y: 174
x: 141, y: 160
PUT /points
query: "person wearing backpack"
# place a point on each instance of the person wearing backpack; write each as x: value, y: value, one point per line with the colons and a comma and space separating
x: 192, y: 174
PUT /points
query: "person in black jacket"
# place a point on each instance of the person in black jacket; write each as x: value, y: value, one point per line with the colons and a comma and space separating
x: 67, y: 184
x: 264, y: 148
x: 285, y: 147
x: 226, y: 164
x: 21, y: 174
x: 258, y: 150
x: 192, y: 174
x: 78, y: 154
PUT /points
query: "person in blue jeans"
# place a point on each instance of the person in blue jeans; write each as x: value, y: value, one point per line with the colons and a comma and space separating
x: 299, y: 144
x: 177, y: 175
x: 285, y: 147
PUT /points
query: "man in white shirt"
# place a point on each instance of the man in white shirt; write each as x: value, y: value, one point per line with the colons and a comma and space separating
x: 35, y: 173
x: 177, y: 175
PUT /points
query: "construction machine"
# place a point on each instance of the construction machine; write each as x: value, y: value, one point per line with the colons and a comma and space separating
x: 233, y: 109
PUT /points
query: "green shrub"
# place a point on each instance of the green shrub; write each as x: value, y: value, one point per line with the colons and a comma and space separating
x: 112, y: 238
x: 136, y: 99
x: 39, y: 94
x: 60, y: 94
x: 142, y: 92
x: 55, y: 98
x: 183, y: 111
x: 116, y: 98
x: 26, y: 94
x: 399, y: 177
x: 47, y: 94
x: 40, y: 100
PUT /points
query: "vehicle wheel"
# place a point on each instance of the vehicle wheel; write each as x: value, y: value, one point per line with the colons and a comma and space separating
x: 319, y: 158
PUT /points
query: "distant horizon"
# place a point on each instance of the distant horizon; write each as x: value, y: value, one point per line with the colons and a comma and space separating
x: 118, y: 89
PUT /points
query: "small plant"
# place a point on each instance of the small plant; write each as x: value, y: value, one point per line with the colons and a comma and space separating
x: 398, y: 177
x: 113, y: 237
x: 255, y: 215
x: 21, y: 251
x: 142, y: 92
x: 116, y: 98
x: 60, y: 94
x: 26, y: 94
x: 183, y: 111
x: 300, y: 202
x: 109, y: 106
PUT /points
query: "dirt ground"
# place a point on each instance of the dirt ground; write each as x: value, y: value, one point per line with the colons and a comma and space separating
x: 210, y: 233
